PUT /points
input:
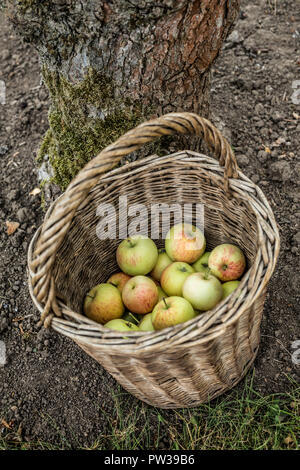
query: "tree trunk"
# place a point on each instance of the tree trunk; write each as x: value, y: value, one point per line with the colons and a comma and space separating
x: 110, y: 65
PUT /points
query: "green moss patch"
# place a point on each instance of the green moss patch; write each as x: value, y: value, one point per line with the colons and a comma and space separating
x: 84, y: 118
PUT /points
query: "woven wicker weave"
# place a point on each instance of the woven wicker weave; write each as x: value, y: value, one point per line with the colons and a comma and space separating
x: 190, y: 363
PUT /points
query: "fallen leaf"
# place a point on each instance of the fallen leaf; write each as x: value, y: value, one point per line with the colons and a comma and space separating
x: 35, y: 191
x: 19, y: 431
x: 267, y: 150
x: 288, y: 440
x: 6, y: 424
x: 296, y: 116
x: 11, y: 227
x: 21, y: 329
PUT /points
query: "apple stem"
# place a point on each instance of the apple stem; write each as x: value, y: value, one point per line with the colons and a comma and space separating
x: 133, y: 316
x: 164, y: 299
x: 130, y: 243
x: 88, y: 295
x: 115, y: 285
x: 207, y: 273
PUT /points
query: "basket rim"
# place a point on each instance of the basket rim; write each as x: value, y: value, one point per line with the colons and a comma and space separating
x: 84, y: 330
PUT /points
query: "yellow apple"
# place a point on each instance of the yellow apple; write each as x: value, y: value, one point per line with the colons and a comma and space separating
x: 146, y: 323
x: 121, y: 325
x: 103, y: 303
x: 203, y: 291
x: 202, y: 264
x: 229, y: 287
x: 162, y: 262
x: 171, y: 311
x: 137, y: 255
x: 119, y: 280
x: 161, y: 293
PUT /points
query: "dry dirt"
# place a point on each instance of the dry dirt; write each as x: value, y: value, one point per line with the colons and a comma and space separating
x: 51, y: 390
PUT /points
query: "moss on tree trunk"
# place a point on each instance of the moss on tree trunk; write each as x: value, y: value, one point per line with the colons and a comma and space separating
x: 109, y: 65
x: 79, y: 127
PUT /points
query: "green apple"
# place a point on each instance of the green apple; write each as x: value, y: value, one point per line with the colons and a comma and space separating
x: 202, y: 264
x: 140, y: 294
x: 185, y: 242
x: 121, y: 325
x: 203, y: 291
x: 229, y: 287
x: 173, y: 277
x: 137, y: 255
x: 227, y: 262
x: 162, y: 262
x: 103, y: 303
x: 119, y: 280
x: 146, y: 323
x: 171, y: 311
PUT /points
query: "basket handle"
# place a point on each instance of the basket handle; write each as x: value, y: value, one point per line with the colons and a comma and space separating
x: 57, y: 224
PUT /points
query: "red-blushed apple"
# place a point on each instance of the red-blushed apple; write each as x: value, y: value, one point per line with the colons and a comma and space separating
x: 171, y: 311
x: 119, y: 280
x: 146, y: 323
x: 140, y: 294
x: 227, y: 262
x: 173, y: 277
x: 103, y: 303
x: 161, y: 293
x: 162, y: 262
x: 201, y: 265
x: 202, y: 290
x: 228, y: 287
x: 185, y: 242
x: 137, y: 255
x: 121, y: 325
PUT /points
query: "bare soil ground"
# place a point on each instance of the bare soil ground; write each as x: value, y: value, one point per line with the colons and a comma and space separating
x: 52, y: 391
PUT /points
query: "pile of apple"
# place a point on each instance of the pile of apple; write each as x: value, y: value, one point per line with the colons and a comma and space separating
x: 161, y: 288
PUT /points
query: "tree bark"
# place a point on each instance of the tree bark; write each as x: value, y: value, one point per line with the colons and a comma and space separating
x: 109, y: 65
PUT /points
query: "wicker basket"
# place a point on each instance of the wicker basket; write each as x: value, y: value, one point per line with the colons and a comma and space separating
x: 190, y: 363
